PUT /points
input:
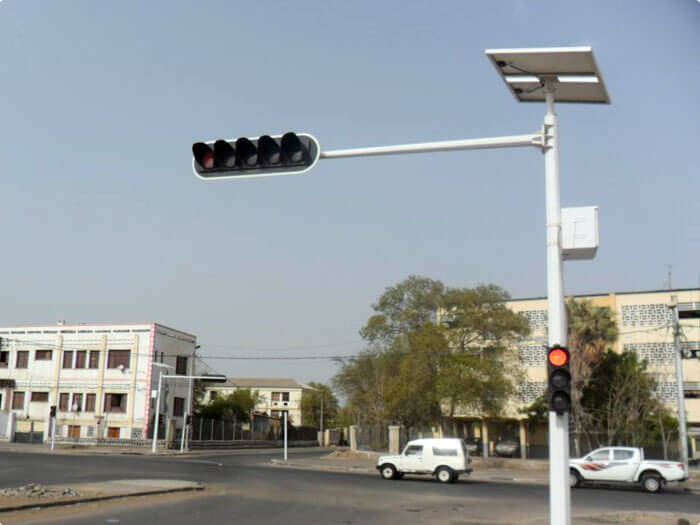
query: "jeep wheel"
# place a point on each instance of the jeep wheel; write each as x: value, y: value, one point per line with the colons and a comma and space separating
x: 444, y: 475
x: 388, y: 471
x: 651, y: 482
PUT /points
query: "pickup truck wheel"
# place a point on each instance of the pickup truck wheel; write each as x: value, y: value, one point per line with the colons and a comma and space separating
x: 444, y: 475
x: 574, y: 479
x: 651, y: 482
x: 388, y: 472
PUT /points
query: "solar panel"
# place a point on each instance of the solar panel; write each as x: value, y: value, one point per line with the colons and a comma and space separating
x: 574, y: 69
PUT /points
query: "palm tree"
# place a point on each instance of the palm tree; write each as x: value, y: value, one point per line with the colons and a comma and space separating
x: 592, y: 330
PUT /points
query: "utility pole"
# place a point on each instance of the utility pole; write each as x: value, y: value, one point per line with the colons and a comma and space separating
x: 682, y: 425
x: 559, y: 490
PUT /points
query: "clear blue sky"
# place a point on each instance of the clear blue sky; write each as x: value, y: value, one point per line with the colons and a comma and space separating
x: 103, y: 220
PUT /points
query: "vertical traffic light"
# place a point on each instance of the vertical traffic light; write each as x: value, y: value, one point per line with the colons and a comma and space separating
x: 559, y: 379
x: 255, y: 157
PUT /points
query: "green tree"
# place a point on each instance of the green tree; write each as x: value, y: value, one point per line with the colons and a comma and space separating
x: 311, y: 406
x: 237, y: 405
x: 620, y: 399
x: 480, y: 371
x: 406, y: 306
x: 592, y: 331
x: 433, y: 349
x: 365, y: 382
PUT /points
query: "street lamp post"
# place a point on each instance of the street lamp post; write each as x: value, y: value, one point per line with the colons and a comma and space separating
x: 532, y: 75
x: 156, y: 418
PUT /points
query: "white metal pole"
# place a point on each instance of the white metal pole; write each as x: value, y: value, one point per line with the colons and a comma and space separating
x: 285, y: 435
x: 156, y: 419
x: 187, y: 413
x: 323, y: 397
x: 53, y: 431
x: 559, y: 489
x: 682, y: 428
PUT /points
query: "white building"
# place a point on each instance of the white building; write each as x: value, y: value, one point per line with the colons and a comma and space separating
x: 277, y: 395
x: 102, y: 379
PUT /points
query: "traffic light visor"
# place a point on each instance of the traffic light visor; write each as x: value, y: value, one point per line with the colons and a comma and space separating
x: 558, y: 357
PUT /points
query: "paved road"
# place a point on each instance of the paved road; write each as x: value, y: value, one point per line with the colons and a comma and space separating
x: 247, y: 490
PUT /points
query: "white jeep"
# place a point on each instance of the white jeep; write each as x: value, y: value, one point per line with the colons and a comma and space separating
x: 444, y: 458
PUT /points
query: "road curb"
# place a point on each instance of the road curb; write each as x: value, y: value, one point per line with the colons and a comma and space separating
x: 478, y: 477
x: 367, y: 470
x: 74, y: 501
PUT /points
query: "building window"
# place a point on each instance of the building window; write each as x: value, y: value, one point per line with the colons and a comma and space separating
x: 77, y: 405
x: 67, y: 359
x: 63, y: 400
x: 90, y: 402
x: 4, y: 359
x: 178, y: 406
x: 22, y: 359
x: 81, y: 359
x: 212, y: 395
x: 39, y: 397
x: 115, y: 403
x: 94, y: 359
x: 74, y: 431
x: 280, y: 396
x: 181, y: 366
x: 113, y: 432
x: 118, y: 357
x: 17, y: 400
x: 42, y: 355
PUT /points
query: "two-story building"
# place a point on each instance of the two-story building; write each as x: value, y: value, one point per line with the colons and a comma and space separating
x: 275, y: 395
x: 102, y: 379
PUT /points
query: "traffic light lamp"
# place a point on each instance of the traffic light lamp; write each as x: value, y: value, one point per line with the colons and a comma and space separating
x: 559, y: 375
x: 255, y: 157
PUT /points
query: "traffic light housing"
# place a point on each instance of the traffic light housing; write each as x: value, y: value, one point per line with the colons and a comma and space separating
x: 559, y: 379
x: 262, y: 156
x: 52, y: 411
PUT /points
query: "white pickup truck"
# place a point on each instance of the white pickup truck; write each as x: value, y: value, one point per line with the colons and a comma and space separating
x: 624, y: 465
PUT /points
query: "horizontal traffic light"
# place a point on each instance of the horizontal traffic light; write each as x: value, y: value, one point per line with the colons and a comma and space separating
x: 558, y: 361
x: 255, y: 157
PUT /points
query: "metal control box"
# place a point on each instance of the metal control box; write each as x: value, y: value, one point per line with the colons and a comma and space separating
x: 579, y: 232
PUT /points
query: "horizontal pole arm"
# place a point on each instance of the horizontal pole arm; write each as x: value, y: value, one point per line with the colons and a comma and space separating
x: 515, y: 141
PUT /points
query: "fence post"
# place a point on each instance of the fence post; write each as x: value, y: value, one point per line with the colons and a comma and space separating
x: 353, y: 437
x: 394, y: 437
x: 523, y: 439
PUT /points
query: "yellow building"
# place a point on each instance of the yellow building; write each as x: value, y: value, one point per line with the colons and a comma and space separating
x: 645, y: 326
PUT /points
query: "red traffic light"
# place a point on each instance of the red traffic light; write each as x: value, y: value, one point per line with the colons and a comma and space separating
x: 558, y: 356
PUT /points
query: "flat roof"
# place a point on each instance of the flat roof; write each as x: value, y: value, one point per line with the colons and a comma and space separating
x: 603, y: 294
x: 260, y: 382
x: 94, y: 326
